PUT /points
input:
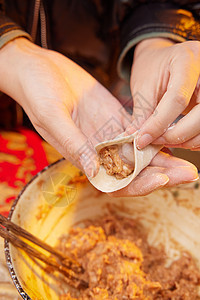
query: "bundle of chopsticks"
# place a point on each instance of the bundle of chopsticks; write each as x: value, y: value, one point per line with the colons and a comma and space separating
x: 55, y: 259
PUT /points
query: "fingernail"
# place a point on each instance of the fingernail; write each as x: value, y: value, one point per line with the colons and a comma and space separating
x: 191, y: 176
x: 144, y: 140
x: 86, y: 164
x: 89, y: 171
x: 89, y: 164
x: 163, y: 179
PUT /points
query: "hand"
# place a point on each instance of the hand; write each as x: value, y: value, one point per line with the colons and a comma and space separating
x: 166, y: 75
x: 164, y: 170
x: 66, y: 105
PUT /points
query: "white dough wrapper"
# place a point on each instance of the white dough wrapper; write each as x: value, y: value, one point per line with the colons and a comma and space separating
x: 142, y: 158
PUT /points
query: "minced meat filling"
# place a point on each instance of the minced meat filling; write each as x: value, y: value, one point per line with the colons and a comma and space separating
x: 113, y: 164
x: 119, y: 264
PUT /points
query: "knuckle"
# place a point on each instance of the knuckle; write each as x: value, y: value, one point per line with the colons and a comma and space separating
x: 37, y: 119
x: 182, y: 99
x: 67, y: 145
x: 175, y: 138
x: 158, y: 123
x: 70, y: 151
x: 42, y: 115
x: 157, y: 127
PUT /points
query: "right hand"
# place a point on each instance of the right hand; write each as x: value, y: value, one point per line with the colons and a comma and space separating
x: 167, y: 76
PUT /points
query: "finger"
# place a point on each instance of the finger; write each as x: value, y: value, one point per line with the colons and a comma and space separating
x: 178, y: 170
x: 153, y: 179
x: 148, y: 182
x: 182, y: 82
x: 111, y: 122
x: 186, y: 128
x: 62, y: 133
x: 180, y: 175
x: 192, y: 144
x: 143, y: 106
x: 126, y: 152
x: 187, y: 145
x: 165, y: 170
x: 166, y: 160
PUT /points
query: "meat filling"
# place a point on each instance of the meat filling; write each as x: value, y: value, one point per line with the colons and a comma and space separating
x: 119, y: 264
x: 113, y: 164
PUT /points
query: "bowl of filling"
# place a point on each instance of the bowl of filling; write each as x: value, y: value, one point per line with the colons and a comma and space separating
x: 130, y: 248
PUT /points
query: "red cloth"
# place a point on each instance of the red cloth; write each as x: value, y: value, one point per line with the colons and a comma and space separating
x: 20, y: 159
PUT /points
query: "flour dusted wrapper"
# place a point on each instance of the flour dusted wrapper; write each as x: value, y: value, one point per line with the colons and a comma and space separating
x: 142, y: 158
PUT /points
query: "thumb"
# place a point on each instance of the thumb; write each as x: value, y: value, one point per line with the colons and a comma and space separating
x: 62, y: 133
x: 143, y: 106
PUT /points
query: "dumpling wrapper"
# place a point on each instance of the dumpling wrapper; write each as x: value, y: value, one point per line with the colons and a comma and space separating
x: 142, y: 158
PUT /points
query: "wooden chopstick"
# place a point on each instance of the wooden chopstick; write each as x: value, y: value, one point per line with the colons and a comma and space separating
x: 70, y: 276
x: 64, y: 260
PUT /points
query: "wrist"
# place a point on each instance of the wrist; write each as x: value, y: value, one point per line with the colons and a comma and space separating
x: 14, y: 49
x: 12, y: 58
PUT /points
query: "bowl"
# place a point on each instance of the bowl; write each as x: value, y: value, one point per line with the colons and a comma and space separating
x: 59, y: 197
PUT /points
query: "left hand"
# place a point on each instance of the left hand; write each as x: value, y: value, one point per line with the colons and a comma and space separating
x: 164, y: 170
x: 65, y: 104
x: 165, y: 83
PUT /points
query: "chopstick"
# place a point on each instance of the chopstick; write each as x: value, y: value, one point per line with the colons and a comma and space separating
x: 66, y: 265
x: 66, y: 261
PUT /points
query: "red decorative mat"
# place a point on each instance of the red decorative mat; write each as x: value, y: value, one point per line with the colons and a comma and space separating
x: 22, y: 155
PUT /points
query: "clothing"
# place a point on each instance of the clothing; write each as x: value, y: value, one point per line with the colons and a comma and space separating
x: 98, y: 34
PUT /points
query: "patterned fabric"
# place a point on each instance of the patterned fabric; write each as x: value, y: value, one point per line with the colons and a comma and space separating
x: 22, y: 155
